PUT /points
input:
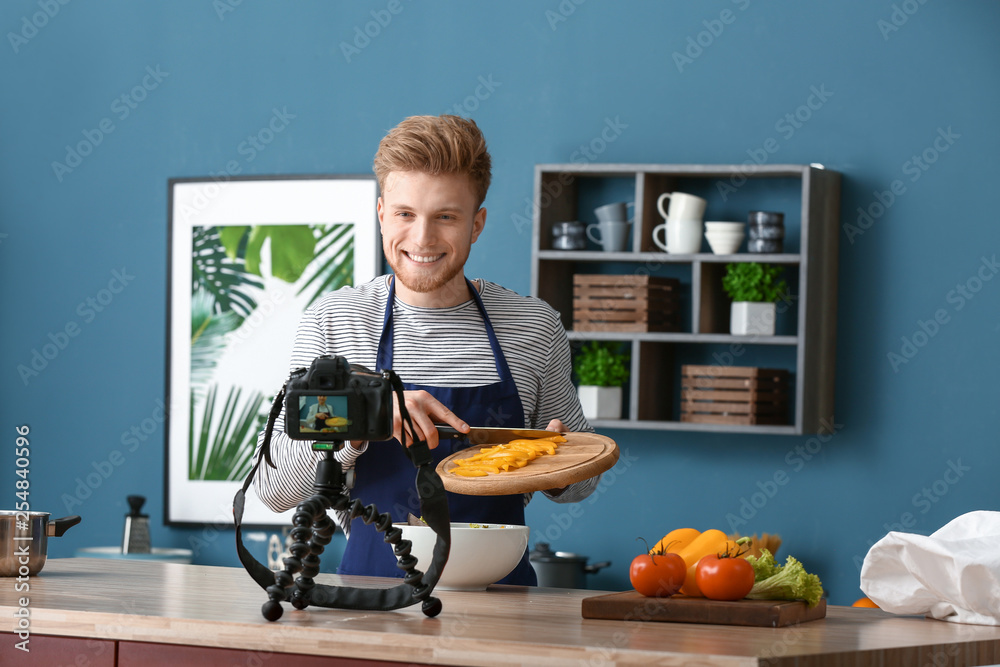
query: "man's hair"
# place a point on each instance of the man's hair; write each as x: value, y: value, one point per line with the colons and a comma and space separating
x: 436, y: 145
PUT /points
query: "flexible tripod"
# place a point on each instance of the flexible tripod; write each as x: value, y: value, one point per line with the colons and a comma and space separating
x: 313, y: 529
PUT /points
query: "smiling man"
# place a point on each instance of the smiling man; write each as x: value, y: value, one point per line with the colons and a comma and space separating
x: 469, y: 352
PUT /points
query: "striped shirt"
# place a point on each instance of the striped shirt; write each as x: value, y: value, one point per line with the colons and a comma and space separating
x: 445, y: 347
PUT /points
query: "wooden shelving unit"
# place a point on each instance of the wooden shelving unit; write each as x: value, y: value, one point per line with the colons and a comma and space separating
x: 810, y: 198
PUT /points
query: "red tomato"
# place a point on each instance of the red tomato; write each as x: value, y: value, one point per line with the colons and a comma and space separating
x: 724, y: 578
x: 657, y: 576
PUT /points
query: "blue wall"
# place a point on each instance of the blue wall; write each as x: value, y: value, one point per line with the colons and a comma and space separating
x: 892, y: 83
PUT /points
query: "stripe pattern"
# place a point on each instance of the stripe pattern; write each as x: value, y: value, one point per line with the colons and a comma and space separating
x: 432, y: 346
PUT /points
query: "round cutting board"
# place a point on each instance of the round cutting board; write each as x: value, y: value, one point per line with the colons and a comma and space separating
x: 582, y: 456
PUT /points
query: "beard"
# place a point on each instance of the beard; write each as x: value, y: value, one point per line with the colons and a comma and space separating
x: 425, y: 281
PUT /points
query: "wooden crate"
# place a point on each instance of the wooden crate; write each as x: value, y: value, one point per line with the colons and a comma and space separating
x: 625, y: 303
x: 734, y: 395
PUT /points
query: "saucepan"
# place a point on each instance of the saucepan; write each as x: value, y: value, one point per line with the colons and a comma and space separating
x: 24, y: 540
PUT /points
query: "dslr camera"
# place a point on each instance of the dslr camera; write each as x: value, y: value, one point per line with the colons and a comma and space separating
x: 334, y: 401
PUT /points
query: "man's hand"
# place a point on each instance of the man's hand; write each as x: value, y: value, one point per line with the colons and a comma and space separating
x: 557, y: 426
x: 425, y: 411
x: 323, y: 415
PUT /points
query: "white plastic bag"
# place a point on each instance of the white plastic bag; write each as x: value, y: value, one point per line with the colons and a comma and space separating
x: 952, y: 574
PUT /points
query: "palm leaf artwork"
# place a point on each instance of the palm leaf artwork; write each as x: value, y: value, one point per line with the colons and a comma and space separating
x: 222, y: 275
x: 208, y: 338
x: 335, y: 249
x: 222, y: 447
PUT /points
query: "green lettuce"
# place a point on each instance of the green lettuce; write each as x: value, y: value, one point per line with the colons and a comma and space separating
x: 783, y: 582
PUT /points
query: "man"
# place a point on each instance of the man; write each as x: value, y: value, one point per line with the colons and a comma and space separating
x: 469, y: 353
x: 318, y: 413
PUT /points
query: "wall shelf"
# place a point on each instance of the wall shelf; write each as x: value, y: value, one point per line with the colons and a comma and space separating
x: 810, y: 198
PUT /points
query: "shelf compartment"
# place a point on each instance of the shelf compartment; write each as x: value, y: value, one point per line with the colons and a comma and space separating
x: 631, y: 303
x: 734, y: 395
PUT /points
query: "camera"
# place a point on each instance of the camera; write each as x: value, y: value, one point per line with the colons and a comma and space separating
x: 334, y: 401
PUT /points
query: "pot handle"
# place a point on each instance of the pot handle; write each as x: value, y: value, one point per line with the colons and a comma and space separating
x: 591, y: 569
x: 57, y: 527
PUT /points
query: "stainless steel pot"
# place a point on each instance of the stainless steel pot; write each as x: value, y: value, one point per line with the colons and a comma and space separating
x: 561, y: 569
x: 24, y: 540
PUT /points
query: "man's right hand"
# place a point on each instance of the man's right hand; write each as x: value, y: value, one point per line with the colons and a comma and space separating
x: 425, y: 411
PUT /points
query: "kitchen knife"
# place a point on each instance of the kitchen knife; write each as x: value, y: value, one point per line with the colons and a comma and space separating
x: 490, y: 435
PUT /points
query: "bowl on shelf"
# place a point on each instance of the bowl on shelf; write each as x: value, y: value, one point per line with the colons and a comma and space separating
x: 481, y: 553
x: 724, y: 241
x: 725, y: 227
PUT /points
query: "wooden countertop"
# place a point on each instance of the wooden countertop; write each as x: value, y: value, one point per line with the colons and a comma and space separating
x: 145, y: 601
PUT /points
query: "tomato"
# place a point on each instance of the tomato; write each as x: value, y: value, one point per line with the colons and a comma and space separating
x: 724, y: 578
x: 656, y: 575
x: 865, y: 602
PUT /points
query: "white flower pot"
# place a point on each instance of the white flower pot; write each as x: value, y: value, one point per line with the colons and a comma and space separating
x: 752, y: 319
x: 601, y: 402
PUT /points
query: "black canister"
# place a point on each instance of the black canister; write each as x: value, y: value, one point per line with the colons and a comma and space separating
x: 569, y: 235
x: 765, y: 232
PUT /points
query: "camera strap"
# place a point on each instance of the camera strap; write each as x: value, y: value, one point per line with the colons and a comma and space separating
x: 433, y: 507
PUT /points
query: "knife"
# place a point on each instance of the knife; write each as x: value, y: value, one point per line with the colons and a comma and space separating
x: 490, y: 435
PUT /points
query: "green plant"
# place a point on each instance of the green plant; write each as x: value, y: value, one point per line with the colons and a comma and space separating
x: 221, y: 447
x: 750, y: 281
x: 600, y: 364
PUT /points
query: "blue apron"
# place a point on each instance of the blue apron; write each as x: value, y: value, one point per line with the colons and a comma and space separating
x: 385, y: 477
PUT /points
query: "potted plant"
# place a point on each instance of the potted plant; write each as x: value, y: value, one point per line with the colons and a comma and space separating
x: 754, y: 289
x: 601, y: 370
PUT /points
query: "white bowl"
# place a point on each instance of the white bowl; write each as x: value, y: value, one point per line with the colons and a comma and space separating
x: 724, y: 243
x: 481, y: 553
x: 725, y: 226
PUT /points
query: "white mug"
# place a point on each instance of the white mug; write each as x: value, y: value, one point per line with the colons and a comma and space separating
x: 681, y: 237
x: 682, y: 206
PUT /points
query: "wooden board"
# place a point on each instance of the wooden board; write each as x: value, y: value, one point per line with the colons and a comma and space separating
x: 582, y: 456
x: 633, y: 606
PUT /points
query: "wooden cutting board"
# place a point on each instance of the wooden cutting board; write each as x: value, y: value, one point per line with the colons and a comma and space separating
x: 633, y: 606
x: 582, y: 456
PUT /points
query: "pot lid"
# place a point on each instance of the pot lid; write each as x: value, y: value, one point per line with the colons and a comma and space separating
x: 543, y: 554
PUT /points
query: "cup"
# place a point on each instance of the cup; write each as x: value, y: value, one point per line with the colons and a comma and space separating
x: 680, y: 237
x: 682, y: 206
x: 616, y: 212
x: 569, y: 236
x: 611, y: 235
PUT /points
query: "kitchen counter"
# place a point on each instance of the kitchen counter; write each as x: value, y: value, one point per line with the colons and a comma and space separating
x: 148, y: 613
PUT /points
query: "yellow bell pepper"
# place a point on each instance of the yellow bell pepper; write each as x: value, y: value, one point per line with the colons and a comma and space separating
x: 675, y: 540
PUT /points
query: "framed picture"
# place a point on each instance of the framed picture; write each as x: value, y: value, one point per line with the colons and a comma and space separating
x: 247, y: 256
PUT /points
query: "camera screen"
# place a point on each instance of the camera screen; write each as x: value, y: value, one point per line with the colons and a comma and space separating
x: 323, y: 414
